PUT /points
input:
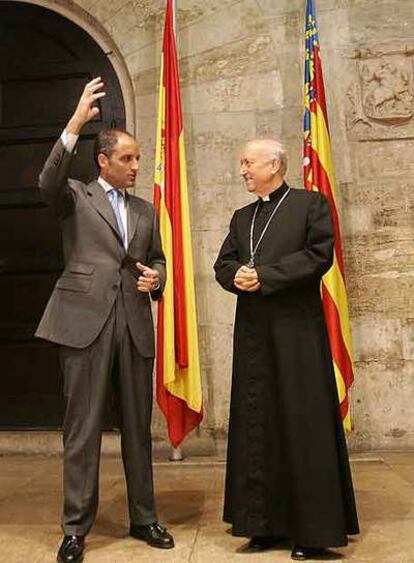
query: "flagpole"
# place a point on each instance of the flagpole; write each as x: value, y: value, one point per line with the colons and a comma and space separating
x: 176, y: 453
x: 174, y: 20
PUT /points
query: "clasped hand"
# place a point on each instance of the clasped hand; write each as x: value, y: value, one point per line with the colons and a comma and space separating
x: 149, y: 280
x: 246, y: 279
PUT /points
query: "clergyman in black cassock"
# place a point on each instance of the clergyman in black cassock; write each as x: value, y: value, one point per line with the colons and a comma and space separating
x: 288, y: 472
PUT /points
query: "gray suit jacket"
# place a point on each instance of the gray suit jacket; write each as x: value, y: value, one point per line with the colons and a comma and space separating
x: 96, y: 263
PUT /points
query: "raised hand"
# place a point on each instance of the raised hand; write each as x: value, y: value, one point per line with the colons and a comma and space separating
x: 149, y: 280
x: 86, y: 110
x: 246, y: 279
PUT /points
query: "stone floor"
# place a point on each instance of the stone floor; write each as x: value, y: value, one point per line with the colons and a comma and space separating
x: 189, y: 498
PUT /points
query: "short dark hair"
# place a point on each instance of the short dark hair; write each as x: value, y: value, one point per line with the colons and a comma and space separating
x: 106, y: 141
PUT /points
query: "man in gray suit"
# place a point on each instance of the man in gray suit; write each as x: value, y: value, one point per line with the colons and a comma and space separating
x: 99, y: 313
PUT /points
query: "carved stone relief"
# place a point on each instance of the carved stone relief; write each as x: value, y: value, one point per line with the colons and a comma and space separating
x: 381, y: 101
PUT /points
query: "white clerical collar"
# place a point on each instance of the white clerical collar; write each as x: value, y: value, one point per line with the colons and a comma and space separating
x: 107, y: 186
x: 269, y: 197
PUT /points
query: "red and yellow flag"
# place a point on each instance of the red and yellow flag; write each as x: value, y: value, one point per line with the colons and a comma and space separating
x: 179, y: 392
x: 319, y: 176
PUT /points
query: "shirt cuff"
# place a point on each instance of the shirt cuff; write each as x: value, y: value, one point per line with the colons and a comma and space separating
x: 69, y: 140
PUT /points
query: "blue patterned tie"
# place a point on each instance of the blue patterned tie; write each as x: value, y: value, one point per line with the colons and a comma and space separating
x: 114, y: 196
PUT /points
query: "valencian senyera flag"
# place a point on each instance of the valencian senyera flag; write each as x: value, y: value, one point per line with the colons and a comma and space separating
x: 179, y: 392
x: 319, y: 176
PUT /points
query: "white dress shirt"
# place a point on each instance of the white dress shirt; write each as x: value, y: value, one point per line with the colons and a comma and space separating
x: 123, y: 202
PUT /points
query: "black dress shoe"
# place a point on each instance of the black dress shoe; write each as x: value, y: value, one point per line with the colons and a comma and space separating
x: 260, y: 543
x: 154, y: 534
x: 304, y: 553
x: 71, y: 549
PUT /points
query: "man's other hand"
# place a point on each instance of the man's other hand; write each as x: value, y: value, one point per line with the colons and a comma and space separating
x: 149, y: 280
x: 246, y: 279
x: 86, y: 110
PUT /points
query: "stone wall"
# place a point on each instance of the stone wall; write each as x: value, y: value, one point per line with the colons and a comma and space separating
x: 241, y: 65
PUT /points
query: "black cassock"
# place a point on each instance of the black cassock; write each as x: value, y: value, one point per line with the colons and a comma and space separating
x: 287, y: 468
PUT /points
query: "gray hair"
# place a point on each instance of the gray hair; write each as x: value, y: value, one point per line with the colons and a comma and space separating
x: 274, y: 149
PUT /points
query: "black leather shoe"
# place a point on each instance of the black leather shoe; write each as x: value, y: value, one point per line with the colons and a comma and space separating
x: 260, y: 543
x: 304, y: 553
x: 71, y: 549
x: 154, y: 534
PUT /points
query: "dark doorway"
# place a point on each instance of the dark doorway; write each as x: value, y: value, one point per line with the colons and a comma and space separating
x: 45, y: 60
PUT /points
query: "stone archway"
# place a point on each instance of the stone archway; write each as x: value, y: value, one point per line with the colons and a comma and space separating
x: 95, y: 29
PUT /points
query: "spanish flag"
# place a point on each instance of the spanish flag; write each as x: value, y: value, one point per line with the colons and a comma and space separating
x: 179, y: 392
x: 319, y: 176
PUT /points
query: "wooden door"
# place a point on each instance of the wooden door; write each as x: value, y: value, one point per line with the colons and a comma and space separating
x: 45, y: 61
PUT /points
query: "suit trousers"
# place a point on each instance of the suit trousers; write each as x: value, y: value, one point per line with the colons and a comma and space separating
x: 87, y: 381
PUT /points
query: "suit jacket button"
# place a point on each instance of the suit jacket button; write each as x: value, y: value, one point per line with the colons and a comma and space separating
x: 115, y: 286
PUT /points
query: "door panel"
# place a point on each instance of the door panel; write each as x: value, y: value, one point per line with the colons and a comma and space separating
x: 45, y: 61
